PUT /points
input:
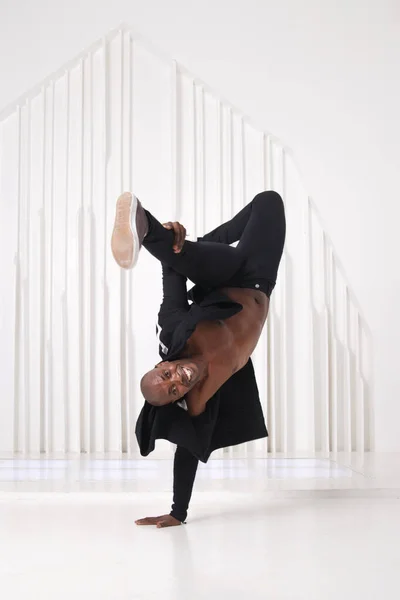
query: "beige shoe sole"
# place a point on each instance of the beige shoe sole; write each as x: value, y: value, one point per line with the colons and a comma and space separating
x: 125, y: 241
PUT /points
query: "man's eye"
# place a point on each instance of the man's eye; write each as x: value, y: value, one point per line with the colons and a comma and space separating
x: 174, y: 391
x: 166, y: 373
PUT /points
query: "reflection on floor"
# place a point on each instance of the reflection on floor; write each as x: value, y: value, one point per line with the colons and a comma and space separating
x: 341, y: 474
x: 128, y: 470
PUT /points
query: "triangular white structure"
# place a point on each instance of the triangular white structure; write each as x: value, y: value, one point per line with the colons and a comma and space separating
x: 77, y: 332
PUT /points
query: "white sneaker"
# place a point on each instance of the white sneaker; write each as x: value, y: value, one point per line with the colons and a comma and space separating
x: 130, y: 228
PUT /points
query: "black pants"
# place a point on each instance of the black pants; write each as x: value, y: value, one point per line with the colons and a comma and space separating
x: 260, y: 229
x: 260, y: 226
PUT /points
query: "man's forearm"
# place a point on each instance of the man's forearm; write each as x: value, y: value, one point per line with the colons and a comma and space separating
x: 185, y: 468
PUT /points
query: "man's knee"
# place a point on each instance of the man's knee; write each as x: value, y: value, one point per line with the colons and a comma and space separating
x: 268, y: 200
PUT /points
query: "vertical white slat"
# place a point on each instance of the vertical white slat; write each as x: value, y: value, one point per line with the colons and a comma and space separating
x: 309, y: 342
x: 36, y: 253
x: 123, y: 276
x: 266, y: 157
x: 330, y: 298
x: 322, y: 406
x: 272, y: 366
x: 353, y: 341
x: 219, y: 160
x: 9, y: 277
x: 359, y: 397
x: 284, y: 331
x: 347, y: 400
x: 83, y: 273
x: 74, y: 257
x: 359, y: 392
x: 283, y: 359
x: 124, y: 124
x: 27, y: 386
x: 23, y: 253
x: 199, y: 159
x: 115, y: 276
x: 347, y: 391
x: 89, y: 308
x: 331, y: 443
x: 106, y: 301
x: 330, y: 288
x: 363, y: 442
x: 133, y: 405
x: 277, y: 368
x: 49, y: 270
x: 230, y: 167
x: 88, y: 400
x: 196, y: 232
x: 129, y: 405
x: 175, y: 200
x: 99, y: 333
x: 328, y: 356
x: 87, y: 272
x: 268, y: 162
x: 243, y: 161
x: 18, y: 300
x: 43, y: 278
x: 186, y: 148
x: 268, y: 340
x: 65, y: 313
x: 59, y: 224
x: 227, y: 159
x: 277, y: 164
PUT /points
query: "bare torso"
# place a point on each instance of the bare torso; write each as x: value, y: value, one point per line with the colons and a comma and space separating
x: 226, y: 345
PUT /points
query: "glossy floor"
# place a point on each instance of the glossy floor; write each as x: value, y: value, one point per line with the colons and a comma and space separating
x: 235, y: 547
x: 278, y: 528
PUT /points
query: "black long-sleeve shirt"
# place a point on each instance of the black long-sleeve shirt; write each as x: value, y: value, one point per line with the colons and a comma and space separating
x: 232, y: 416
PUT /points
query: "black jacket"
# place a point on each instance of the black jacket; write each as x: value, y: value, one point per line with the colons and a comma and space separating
x: 233, y: 415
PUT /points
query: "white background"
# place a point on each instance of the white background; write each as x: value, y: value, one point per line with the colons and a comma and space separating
x: 323, y: 78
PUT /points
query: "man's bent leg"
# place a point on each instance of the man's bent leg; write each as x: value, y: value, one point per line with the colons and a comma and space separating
x: 263, y: 238
x: 260, y: 227
x: 232, y: 230
x: 206, y: 263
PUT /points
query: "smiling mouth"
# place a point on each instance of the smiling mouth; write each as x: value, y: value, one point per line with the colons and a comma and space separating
x: 188, y: 374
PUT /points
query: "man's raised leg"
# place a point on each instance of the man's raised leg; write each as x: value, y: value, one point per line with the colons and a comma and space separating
x: 208, y: 264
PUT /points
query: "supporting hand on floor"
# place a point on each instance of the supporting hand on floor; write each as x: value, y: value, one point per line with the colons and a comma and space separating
x: 163, y: 521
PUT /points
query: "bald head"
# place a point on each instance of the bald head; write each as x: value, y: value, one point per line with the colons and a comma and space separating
x: 169, y: 381
x: 152, y: 388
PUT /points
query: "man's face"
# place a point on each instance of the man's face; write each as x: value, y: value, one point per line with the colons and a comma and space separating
x: 169, y: 381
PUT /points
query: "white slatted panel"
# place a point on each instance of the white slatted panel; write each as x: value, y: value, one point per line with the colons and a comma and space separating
x: 77, y: 332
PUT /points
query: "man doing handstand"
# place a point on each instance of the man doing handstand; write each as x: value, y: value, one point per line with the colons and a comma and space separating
x: 203, y: 395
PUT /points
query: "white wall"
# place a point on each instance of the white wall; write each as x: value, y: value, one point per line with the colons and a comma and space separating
x: 320, y: 77
x: 77, y: 332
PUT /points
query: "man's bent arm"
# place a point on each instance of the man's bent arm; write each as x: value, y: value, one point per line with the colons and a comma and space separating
x: 185, y: 468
